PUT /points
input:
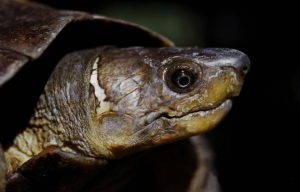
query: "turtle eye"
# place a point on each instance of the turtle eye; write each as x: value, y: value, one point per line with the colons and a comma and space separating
x: 182, y: 77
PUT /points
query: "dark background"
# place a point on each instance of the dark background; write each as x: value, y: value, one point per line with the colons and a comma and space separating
x: 257, y: 144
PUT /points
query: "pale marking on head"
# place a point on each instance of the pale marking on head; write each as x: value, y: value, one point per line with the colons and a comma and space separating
x: 99, y: 92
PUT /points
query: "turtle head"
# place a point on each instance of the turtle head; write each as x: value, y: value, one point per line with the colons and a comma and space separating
x: 146, y: 97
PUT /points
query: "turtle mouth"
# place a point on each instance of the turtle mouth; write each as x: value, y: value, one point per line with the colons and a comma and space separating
x: 154, y: 116
x: 223, y: 107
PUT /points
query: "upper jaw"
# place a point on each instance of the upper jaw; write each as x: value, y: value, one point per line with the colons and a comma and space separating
x: 177, y: 116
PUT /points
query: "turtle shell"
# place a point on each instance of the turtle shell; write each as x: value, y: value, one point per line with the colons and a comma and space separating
x: 27, y: 29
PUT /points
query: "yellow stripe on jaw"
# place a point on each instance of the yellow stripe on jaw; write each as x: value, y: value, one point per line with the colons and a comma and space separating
x: 99, y: 92
x: 205, y: 121
x: 192, y: 124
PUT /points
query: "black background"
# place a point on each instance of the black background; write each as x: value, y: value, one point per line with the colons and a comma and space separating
x: 257, y: 144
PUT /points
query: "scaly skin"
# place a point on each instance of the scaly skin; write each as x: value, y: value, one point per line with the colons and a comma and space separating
x: 110, y: 102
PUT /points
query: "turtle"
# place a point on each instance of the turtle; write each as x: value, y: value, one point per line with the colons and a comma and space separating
x: 91, y: 103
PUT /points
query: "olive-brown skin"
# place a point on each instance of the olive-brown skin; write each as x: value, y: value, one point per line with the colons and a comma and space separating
x: 139, y: 108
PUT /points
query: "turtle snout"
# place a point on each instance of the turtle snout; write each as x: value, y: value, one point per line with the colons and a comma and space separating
x: 234, y: 64
x: 237, y: 60
x: 242, y: 64
x: 228, y: 58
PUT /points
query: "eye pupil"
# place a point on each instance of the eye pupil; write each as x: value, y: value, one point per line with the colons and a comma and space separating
x: 182, y: 78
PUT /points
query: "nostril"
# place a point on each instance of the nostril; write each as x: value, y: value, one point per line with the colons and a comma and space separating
x: 245, y: 69
x: 245, y: 64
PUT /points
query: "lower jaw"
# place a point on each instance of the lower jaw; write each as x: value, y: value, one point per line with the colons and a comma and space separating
x: 202, y: 121
x: 192, y: 124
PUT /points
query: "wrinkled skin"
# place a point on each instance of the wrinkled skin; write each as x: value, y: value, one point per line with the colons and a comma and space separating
x: 151, y: 108
x: 106, y: 103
